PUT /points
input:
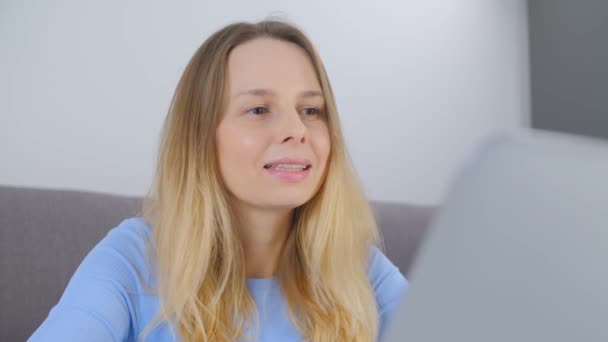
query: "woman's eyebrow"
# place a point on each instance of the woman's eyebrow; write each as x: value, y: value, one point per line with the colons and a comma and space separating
x: 268, y: 92
x: 311, y: 93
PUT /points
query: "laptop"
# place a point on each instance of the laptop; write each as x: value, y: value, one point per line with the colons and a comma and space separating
x: 519, y: 249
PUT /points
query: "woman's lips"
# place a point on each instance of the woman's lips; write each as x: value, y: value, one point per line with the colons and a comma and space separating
x: 290, y: 161
x: 289, y: 175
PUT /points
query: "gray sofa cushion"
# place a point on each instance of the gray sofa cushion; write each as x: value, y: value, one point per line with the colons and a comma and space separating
x: 45, y: 234
x: 403, y: 227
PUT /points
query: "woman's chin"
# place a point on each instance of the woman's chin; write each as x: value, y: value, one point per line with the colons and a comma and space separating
x: 286, y: 201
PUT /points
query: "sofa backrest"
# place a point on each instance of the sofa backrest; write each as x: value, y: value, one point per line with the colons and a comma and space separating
x: 45, y: 234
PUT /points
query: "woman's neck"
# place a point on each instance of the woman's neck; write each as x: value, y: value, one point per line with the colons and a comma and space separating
x: 263, y: 233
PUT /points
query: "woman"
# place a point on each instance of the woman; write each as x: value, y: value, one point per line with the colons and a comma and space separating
x: 256, y: 226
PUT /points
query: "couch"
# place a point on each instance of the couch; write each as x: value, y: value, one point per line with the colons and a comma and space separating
x: 45, y: 234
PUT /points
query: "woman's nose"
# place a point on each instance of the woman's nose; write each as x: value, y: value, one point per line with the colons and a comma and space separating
x: 292, y: 127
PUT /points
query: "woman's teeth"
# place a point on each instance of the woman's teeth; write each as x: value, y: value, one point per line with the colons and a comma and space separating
x: 288, y: 167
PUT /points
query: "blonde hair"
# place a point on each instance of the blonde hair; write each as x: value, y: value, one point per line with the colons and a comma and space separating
x: 198, y: 257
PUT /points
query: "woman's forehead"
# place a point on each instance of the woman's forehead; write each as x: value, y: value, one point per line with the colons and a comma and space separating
x: 275, y: 65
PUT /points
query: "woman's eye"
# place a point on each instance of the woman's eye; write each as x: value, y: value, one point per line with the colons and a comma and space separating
x: 258, y: 110
x: 311, y: 111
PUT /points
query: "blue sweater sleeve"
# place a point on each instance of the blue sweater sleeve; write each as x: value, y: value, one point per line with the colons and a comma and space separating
x: 96, y: 304
x: 389, y: 286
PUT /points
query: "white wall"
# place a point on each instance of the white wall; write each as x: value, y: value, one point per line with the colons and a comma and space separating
x: 84, y: 85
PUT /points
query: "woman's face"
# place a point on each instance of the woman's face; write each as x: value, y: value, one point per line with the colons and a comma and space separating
x: 273, y: 140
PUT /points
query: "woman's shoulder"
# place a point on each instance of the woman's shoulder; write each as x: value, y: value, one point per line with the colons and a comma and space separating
x: 383, y: 273
x: 389, y: 285
x: 386, y: 279
x: 129, y: 243
x: 102, y: 299
x: 130, y: 232
x: 133, y: 228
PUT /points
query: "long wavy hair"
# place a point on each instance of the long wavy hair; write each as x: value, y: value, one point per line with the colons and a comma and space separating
x: 198, y: 257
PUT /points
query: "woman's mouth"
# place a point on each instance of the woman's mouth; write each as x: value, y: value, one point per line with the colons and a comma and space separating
x: 288, y: 172
x: 287, y: 167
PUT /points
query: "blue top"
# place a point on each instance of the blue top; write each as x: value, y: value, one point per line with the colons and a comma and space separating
x: 108, y: 299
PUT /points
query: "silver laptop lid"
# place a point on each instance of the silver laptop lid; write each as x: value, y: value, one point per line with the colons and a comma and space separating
x: 519, y: 250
